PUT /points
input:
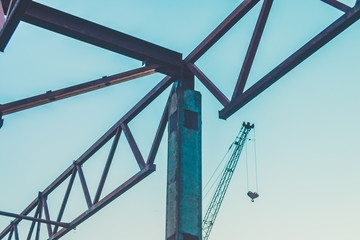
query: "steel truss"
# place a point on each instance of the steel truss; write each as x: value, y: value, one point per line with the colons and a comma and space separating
x: 156, y: 59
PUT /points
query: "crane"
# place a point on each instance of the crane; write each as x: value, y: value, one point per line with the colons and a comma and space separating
x: 223, y: 185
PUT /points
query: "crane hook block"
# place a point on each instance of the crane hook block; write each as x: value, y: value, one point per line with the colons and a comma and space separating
x: 252, y: 195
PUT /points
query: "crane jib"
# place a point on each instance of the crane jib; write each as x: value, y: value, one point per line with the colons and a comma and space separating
x: 223, y: 185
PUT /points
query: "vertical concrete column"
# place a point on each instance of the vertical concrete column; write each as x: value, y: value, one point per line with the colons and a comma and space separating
x: 184, y: 197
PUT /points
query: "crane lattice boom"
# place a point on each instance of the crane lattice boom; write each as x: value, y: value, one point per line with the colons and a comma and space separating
x: 223, y: 185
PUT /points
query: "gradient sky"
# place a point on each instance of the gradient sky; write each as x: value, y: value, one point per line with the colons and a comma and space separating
x: 307, y: 124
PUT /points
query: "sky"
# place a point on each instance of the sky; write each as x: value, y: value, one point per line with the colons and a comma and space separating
x: 307, y: 124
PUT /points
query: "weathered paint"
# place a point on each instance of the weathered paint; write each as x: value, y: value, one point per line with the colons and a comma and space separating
x: 183, y: 211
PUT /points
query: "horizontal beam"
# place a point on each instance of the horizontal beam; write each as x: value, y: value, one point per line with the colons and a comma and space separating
x: 12, y: 21
x: 338, y: 5
x: 52, y: 96
x: 19, y: 216
x: 98, y: 35
x: 220, y: 31
x: 291, y: 62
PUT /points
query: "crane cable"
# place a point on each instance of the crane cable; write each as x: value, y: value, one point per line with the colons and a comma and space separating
x: 247, y: 170
x: 251, y: 194
x: 213, y: 174
x: 256, y: 168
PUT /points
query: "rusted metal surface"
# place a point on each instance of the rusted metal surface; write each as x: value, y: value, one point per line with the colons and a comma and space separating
x: 52, y: 96
x: 184, y: 191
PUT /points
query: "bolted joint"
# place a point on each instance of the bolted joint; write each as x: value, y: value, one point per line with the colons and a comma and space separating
x: 186, y: 80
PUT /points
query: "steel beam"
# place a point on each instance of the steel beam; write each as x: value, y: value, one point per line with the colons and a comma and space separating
x: 208, y: 84
x: 93, y: 208
x: 11, y: 233
x: 106, y: 200
x: 223, y: 28
x: 71, y: 171
x: 31, y: 227
x: 147, y: 99
x: 95, y: 34
x: 16, y: 232
x: 107, y: 165
x: 20, y: 216
x: 40, y: 206
x: 84, y: 186
x: 160, y: 131
x: 291, y: 62
x: 47, y: 215
x: 52, y: 96
x: 66, y: 198
x: 134, y: 148
x: 12, y: 21
x: 338, y: 5
x: 254, y: 44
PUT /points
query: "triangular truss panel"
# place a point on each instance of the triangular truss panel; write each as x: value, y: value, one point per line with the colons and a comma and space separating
x: 155, y: 59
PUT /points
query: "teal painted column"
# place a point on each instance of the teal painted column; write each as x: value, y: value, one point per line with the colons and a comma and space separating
x: 184, y: 196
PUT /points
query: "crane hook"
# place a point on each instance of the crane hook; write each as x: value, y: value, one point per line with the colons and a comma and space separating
x: 252, y: 195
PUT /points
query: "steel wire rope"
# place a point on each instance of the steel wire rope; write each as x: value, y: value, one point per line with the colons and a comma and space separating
x: 256, y: 167
x: 213, y: 174
x: 247, y: 168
